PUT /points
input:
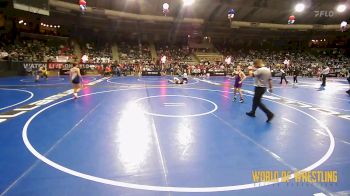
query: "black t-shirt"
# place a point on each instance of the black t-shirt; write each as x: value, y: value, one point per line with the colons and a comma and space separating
x: 296, y: 72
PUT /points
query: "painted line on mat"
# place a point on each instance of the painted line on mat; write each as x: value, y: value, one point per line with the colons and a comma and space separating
x: 62, y: 168
x: 30, y: 97
x: 286, y: 119
x: 23, y: 109
x: 174, y: 104
x: 43, y: 85
x: 162, y: 159
x: 31, y: 80
x: 146, y: 83
x: 328, y: 107
x: 178, y: 116
x: 296, y: 103
x: 324, y: 134
x: 37, y: 162
x: 320, y: 194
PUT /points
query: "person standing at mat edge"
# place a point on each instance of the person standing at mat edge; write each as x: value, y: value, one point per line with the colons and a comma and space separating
x: 283, y: 76
x: 324, y: 75
x: 76, y: 80
x: 263, y: 80
x: 348, y: 92
x: 239, y: 78
x: 295, y: 75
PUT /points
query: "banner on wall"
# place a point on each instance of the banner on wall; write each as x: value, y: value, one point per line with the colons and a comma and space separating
x: 151, y: 73
x: 57, y: 66
x: 217, y: 73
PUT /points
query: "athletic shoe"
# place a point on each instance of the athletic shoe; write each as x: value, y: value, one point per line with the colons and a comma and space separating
x: 241, y: 101
x: 251, y: 114
x: 234, y: 99
x: 270, y: 117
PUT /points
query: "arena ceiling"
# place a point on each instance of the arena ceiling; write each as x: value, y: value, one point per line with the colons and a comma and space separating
x: 213, y: 13
x: 270, y: 11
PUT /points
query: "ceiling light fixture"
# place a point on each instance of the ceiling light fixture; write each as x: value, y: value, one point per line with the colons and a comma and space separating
x: 299, y: 7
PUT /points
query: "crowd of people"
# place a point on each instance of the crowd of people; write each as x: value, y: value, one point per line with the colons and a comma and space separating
x: 174, y: 53
x: 305, y: 62
x: 334, y: 58
x: 97, y: 54
x: 135, y: 56
x: 35, y: 50
x: 131, y: 52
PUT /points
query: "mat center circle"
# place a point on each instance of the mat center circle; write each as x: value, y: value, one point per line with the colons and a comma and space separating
x: 176, y: 106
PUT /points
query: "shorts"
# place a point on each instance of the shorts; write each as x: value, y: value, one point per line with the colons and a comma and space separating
x: 237, y: 85
x: 76, y: 80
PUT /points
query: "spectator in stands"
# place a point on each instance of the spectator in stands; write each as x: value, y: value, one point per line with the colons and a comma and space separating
x: 3, y: 54
x: 108, y: 70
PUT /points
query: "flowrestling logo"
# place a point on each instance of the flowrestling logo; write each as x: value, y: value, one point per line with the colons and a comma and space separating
x: 324, y: 13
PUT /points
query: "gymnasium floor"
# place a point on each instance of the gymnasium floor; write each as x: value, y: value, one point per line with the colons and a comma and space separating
x: 143, y: 136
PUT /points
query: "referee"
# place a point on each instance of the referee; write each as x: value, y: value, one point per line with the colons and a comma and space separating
x: 348, y: 92
x: 295, y: 74
x: 283, y: 76
x: 324, y: 75
x: 263, y: 80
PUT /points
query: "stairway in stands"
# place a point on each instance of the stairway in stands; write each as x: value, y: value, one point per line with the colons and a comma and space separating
x: 115, y: 52
x: 153, y: 51
x: 76, y: 49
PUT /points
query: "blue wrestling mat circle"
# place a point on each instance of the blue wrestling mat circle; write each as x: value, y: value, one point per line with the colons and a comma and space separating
x: 139, y: 128
x: 14, y: 97
x: 161, y: 81
x: 169, y: 102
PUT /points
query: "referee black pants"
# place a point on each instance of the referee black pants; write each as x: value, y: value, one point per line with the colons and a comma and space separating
x: 283, y: 77
x: 259, y: 92
x: 295, y: 79
x: 324, y: 78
